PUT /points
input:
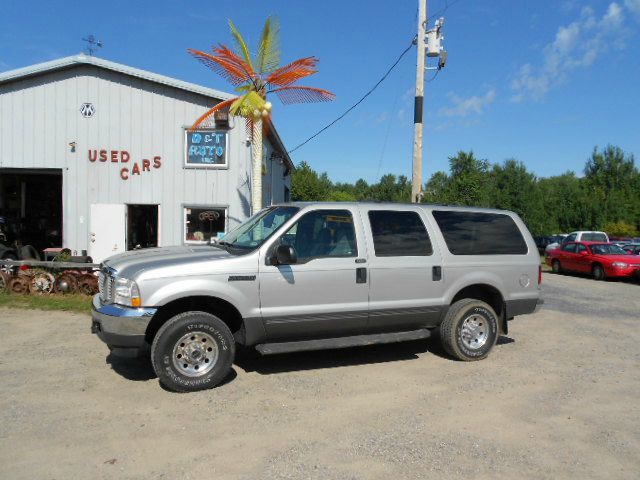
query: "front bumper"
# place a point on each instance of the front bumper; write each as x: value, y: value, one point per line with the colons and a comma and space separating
x: 121, y: 328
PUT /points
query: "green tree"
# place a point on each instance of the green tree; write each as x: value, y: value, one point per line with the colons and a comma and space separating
x: 611, y: 178
x: 516, y: 189
x: 307, y: 185
x: 468, y: 180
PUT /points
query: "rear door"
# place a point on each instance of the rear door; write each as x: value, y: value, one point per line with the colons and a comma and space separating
x: 406, y: 287
x: 326, y: 292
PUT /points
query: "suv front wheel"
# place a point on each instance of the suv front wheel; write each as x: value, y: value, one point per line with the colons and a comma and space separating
x: 192, y: 351
x: 469, y: 330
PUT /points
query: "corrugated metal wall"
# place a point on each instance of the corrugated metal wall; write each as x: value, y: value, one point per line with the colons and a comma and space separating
x: 40, y: 117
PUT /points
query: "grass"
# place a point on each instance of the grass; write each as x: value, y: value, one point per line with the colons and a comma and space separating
x: 71, y: 303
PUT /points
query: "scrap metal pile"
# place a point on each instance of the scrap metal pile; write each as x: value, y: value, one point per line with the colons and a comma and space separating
x: 44, y: 278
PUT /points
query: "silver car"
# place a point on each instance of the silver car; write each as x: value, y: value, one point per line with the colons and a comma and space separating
x: 309, y: 276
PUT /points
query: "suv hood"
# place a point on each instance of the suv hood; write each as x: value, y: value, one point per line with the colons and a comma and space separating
x: 135, y: 262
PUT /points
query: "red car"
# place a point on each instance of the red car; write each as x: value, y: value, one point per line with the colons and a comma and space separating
x: 601, y: 260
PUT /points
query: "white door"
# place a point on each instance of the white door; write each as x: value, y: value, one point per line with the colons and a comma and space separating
x: 107, y: 235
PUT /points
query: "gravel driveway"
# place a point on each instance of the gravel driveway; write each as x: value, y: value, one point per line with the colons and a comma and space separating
x: 558, y: 398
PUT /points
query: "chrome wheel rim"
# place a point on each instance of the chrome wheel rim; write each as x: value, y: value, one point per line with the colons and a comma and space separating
x: 474, y: 331
x: 195, y: 354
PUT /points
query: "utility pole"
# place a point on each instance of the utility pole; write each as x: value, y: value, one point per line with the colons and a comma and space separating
x: 416, y: 179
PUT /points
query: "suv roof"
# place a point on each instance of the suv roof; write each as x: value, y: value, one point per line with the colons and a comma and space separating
x: 397, y: 204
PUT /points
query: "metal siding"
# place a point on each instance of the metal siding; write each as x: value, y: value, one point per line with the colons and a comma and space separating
x: 132, y: 114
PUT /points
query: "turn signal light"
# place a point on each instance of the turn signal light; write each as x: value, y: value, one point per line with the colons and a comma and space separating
x: 135, y: 302
x: 539, y: 274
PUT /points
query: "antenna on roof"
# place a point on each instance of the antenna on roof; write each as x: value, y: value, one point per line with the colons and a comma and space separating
x: 92, y: 44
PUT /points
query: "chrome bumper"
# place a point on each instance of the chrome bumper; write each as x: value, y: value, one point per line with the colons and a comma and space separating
x: 121, y: 328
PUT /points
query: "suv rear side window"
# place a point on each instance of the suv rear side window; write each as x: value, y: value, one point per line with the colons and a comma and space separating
x: 399, y: 234
x: 479, y: 233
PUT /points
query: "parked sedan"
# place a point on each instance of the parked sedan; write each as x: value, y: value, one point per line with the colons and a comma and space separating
x: 632, y: 248
x: 601, y: 260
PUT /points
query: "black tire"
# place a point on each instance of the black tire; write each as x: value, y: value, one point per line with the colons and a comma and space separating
x: 478, y: 315
x: 173, y: 339
x: 598, y: 272
x: 556, y: 267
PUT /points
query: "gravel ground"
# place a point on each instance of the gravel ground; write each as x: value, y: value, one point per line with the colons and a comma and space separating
x: 558, y: 398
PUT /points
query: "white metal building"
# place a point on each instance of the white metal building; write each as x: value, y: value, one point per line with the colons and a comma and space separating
x: 96, y: 156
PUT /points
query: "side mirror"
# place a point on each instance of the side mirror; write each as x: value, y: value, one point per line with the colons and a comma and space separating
x: 286, y: 255
x: 584, y: 252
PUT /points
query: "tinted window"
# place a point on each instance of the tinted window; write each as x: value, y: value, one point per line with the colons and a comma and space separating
x: 594, y: 237
x: 398, y: 234
x: 581, y: 248
x: 476, y: 233
x: 322, y: 233
x: 570, y: 238
x: 569, y: 247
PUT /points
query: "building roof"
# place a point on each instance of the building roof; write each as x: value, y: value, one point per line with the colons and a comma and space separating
x: 81, y: 59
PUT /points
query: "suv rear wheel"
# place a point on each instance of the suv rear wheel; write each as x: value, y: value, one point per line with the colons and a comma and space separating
x: 469, y: 330
x: 192, y: 351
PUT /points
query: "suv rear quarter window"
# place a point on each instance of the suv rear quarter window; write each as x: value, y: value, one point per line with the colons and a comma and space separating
x: 480, y: 233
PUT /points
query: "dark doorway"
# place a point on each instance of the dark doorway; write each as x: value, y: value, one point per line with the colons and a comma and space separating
x: 142, y: 226
x: 31, y: 207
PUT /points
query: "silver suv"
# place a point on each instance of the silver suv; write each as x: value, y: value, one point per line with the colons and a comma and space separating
x: 310, y: 276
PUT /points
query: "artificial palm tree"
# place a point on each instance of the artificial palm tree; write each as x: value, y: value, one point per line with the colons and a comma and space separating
x: 254, y: 80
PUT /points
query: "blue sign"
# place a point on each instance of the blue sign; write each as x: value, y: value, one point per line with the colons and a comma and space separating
x: 206, y: 147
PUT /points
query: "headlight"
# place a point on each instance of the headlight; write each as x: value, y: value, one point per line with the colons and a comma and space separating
x: 620, y: 264
x: 127, y: 293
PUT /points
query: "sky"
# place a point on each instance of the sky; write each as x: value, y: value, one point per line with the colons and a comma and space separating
x: 541, y: 81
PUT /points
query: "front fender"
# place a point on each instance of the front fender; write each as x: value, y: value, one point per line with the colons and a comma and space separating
x: 244, y: 296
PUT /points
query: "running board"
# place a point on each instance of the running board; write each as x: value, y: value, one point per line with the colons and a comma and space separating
x: 342, y: 342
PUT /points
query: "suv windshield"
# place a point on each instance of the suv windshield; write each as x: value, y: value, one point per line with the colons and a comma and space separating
x: 607, y: 249
x: 253, y: 233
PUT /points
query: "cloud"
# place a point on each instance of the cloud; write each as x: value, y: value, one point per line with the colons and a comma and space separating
x: 577, y: 45
x: 633, y: 6
x: 463, y: 107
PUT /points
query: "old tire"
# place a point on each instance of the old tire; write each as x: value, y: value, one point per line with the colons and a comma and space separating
x: 598, y: 272
x: 192, y: 351
x: 556, y: 267
x: 469, y: 330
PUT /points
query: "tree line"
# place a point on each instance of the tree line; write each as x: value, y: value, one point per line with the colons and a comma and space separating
x: 606, y: 197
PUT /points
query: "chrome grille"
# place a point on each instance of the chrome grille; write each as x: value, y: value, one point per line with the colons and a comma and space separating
x: 106, y: 285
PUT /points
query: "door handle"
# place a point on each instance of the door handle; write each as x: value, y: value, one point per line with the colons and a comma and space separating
x: 361, y: 275
x: 436, y: 273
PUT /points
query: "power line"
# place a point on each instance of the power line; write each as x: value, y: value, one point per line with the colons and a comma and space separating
x: 443, y: 9
x: 346, y: 112
x: 413, y: 42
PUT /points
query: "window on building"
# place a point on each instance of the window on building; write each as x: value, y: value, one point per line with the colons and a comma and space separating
x: 202, y: 223
x: 480, y: 233
x: 399, y: 234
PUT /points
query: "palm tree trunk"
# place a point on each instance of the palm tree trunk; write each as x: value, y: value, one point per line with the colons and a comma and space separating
x: 256, y: 176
